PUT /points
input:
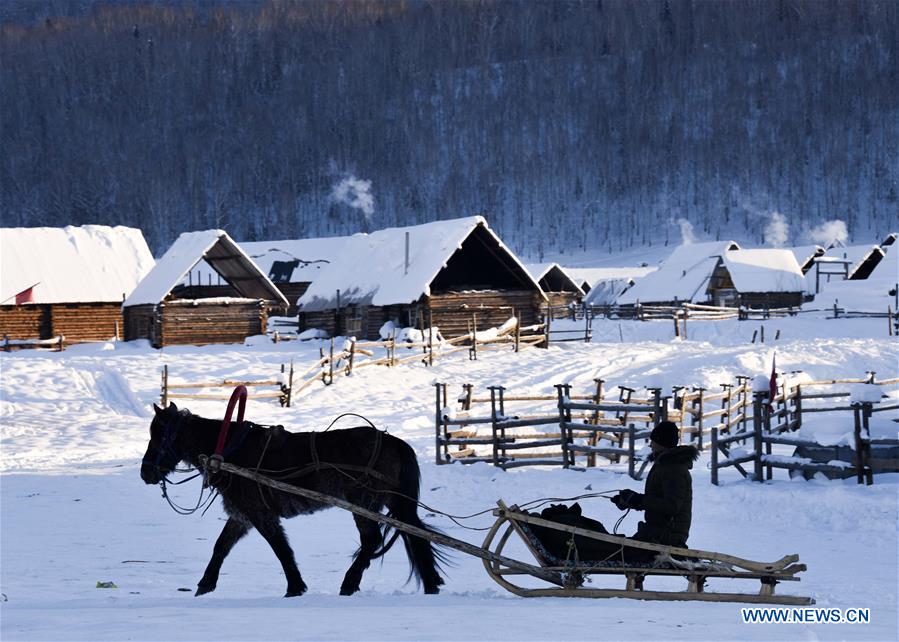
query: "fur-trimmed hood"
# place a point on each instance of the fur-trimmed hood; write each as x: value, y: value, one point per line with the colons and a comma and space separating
x: 679, y: 455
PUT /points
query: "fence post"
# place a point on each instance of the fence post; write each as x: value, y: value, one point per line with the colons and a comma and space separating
x: 757, y: 409
x: 863, y: 471
x: 631, y: 451
x: 430, y: 338
x: 438, y: 427
x: 594, y: 438
x: 493, y: 427
x: 563, y: 392
x: 331, y: 362
x: 696, y: 419
x: 466, y: 400
x: 349, y: 369
x: 165, y: 386
x: 517, y: 330
x: 473, y: 351
x: 715, y: 456
x: 656, y: 408
x: 289, y: 384
x: 546, y: 325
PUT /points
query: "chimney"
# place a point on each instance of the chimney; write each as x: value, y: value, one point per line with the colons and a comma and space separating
x: 406, y: 270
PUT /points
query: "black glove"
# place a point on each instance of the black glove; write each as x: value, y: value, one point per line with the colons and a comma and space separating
x: 628, y: 499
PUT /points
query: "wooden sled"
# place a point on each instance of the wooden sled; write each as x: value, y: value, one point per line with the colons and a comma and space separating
x: 568, y: 579
x: 569, y: 576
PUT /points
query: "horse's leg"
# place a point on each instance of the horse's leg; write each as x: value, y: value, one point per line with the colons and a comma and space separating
x: 369, y: 539
x: 234, y: 529
x: 269, y: 526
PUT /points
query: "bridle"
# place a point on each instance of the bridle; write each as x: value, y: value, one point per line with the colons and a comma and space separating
x: 171, y: 430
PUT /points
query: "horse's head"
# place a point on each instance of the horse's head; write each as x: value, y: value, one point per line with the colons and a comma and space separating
x: 164, y: 450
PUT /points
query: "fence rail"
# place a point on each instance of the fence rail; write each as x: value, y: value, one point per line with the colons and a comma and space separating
x: 586, y: 427
x: 283, y: 386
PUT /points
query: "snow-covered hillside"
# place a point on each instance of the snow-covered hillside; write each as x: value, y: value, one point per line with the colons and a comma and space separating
x: 75, y: 512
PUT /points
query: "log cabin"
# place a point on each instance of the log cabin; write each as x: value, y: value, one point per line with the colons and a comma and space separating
x: 68, y: 282
x: 446, y: 273
x: 560, y: 288
x: 157, y: 311
x: 291, y: 264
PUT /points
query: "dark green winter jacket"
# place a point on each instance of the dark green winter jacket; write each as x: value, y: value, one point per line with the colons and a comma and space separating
x: 668, y: 498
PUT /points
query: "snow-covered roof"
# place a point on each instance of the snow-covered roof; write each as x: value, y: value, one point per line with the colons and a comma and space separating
x: 218, y: 250
x: 868, y: 295
x: 764, y: 270
x: 552, y: 277
x: 841, y: 262
x: 592, y: 276
x: 683, y: 276
x: 608, y: 291
x: 370, y: 268
x: 312, y: 256
x: 91, y: 263
x: 805, y: 253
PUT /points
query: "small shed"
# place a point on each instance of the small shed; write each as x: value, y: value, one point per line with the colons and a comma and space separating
x: 854, y: 263
x: 442, y: 273
x: 683, y: 277
x: 806, y: 255
x: 291, y: 264
x: 878, y: 293
x: 608, y: 284
x: 157, y: 312
x: 560, y: 288
x: 68, y: 281
x: 760, y: 278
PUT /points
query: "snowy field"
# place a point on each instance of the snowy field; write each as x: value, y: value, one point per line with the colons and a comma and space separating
x: 75, y: 512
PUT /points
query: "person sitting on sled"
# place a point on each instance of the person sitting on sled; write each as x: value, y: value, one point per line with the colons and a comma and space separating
x: 667, y: 499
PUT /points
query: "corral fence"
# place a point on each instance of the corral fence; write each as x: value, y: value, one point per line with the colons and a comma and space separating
x: 564, y: 429
x: 279, y: 387
x: 772, y: 421
x: 579, y: 430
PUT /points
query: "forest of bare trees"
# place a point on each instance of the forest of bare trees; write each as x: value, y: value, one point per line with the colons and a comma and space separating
x: 570, y: 124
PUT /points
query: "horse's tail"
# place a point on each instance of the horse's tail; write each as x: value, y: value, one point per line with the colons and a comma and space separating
x: 425, y: 557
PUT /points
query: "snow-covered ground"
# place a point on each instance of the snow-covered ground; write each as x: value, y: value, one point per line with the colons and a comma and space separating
x: 75, y: 512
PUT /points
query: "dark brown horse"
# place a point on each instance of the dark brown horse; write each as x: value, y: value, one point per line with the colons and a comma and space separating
x: 361, y: 465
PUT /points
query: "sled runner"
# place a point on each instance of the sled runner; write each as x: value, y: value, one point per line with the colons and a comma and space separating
x: 570, y: 575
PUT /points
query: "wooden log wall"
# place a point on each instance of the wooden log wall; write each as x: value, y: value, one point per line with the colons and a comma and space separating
x: 452, y: 311
x: 78, y: 322
x: 199, y: 323
x: 29, y: 321
x: 292, y: 292
x: 81, y: 322
x: 562, y: 299
x: 141, y: 323
x: 762, y: 300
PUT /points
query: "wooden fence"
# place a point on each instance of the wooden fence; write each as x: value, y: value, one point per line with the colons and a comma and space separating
x: 57, y: 343
x: 280, y: 388
x: 563, y: 429
x: 574, y: 430
x: 354, y: 354
x: 772, y: 422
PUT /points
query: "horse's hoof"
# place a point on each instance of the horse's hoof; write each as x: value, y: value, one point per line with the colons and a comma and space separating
x: 432, y: 590
x: 203, y: 590
x: 295, y: 592
x: 348, y: 591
